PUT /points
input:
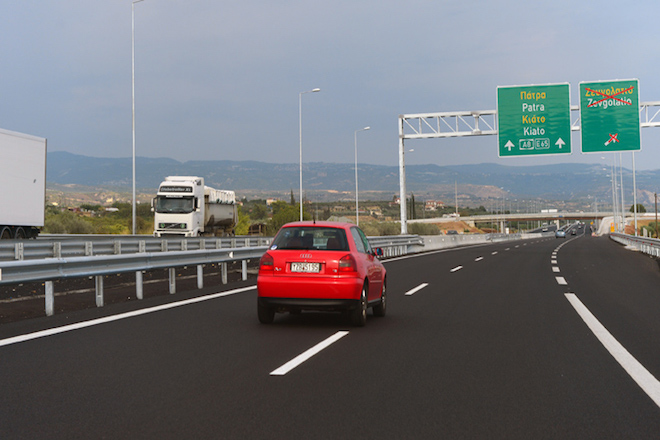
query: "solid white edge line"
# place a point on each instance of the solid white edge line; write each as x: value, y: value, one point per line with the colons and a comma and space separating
x: 293, y: 363
x: 416, y: 289
x: 84, y: 324
x: 639, y: 374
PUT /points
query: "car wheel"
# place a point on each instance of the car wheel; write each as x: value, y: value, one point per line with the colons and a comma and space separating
x: 359, y: 314
x: 381, y: 308
x: 266, y: 314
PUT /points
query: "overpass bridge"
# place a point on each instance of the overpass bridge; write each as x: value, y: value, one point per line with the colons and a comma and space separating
x: 519, y: 216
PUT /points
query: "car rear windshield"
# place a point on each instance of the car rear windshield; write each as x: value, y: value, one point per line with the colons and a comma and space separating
x: 311, y: 238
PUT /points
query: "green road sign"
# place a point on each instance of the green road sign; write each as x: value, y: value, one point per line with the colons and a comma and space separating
x: 609, y: 115
x: 534, y: 120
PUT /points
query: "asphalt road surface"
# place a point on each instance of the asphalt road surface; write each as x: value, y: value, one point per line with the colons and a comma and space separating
x: 543, y: 339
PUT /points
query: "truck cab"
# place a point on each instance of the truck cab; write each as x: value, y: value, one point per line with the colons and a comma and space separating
x: 179, y: 207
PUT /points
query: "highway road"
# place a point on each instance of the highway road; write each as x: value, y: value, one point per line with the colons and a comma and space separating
x: 543, y: 339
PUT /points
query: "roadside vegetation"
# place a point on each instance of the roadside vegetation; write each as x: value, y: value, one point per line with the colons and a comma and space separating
x: 256, y: 217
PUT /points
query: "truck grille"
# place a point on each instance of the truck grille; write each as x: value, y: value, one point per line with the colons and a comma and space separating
x: 172, y: 225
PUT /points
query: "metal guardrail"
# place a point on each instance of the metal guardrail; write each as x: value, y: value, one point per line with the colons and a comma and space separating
x: 67, y: 246
x: 396, y: 245
x: 650, y: 246
x: 84, y: 257
x: 89, y: 256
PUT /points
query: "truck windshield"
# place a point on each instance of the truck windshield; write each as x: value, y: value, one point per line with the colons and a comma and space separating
x: 177, y: 205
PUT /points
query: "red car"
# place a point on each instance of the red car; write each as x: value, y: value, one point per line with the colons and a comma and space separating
x: 321, y: 266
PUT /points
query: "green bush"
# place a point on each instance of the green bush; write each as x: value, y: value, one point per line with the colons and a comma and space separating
x: 423, y: 229
x: 66, y: 223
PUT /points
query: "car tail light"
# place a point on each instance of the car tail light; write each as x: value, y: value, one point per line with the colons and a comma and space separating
x: 347, y: 264
x: 266, y: 263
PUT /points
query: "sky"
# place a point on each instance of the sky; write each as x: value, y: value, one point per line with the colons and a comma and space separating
x: 220, y: 80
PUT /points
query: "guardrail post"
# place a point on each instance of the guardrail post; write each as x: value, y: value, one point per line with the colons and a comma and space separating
x: 139, y: 288
x: 172, y: 272
x: 57, y: 250
x: 99, y: 290
x: 223, y: 271
x: 163, y: 246
x: 117, y: 247
x: 200, y: 276
x: 218, y: 243
x: 50, y: 299
x: 19, y: 251
x: 89, y: 249
x: 244, y: 269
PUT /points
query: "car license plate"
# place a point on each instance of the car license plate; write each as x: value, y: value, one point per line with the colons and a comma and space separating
x: 306, y: 267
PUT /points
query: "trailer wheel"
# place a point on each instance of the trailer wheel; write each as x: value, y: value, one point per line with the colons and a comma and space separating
x: 19, y: 233
x: 5, y: 233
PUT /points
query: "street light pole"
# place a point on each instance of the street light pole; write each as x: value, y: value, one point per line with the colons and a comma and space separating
x: 133, y: 104
x: 300, y: 133
x: 357, y: 215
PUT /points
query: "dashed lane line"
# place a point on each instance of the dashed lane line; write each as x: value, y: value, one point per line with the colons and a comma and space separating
x: 293, y: 363
x: 416, y: 289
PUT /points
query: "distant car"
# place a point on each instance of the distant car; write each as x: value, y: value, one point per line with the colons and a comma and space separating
x: 560, y: 233
x: 573, y: 232
x: 544, y: 230
x: 323, y: 266
x: 452, y: 232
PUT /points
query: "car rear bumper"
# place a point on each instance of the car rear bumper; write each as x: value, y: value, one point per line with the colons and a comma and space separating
x: 306, y: 292
x: 322, y: 304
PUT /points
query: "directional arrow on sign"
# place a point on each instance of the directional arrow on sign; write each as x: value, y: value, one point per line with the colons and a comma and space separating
x: 509, y: 145
x: 560, y: 143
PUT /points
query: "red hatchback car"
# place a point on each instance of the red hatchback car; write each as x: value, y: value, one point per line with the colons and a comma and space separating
x: 321, y: 266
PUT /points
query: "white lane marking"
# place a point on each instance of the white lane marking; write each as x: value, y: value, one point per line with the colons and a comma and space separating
x: 293, y: 363
x: 555, y: 268
x: 553, y: 261
x: 84, y: 324
x: 639, y: 374
x: 561, y: 281
x: 494, y: 253
x: 416, y: 289
x: 456, y: 269
x: 507, y: 249
x: 478, y: 258
x: 517, y: 246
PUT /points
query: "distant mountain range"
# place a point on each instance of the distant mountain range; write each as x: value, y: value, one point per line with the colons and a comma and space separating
x: 568, y: 181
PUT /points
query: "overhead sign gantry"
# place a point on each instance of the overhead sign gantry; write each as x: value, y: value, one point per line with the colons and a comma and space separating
x: 485, y: 123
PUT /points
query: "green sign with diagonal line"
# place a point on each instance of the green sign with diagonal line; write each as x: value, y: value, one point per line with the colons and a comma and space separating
x: 609, y: 116
x: 534, y: 120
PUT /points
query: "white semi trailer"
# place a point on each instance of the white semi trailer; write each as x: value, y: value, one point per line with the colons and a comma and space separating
x: 23, y: 183
x: 184, y: 206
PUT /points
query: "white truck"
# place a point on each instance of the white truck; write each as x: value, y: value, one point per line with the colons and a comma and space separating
x: 184, y: 206
x: 23, y: 183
